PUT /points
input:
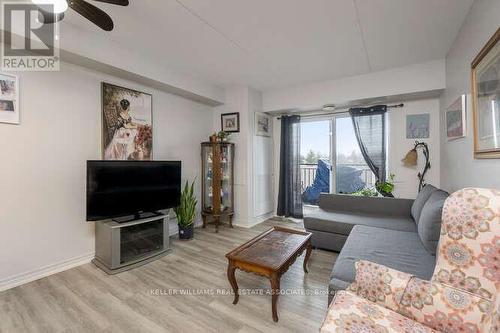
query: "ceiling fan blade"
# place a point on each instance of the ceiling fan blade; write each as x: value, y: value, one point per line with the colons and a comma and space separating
x: 115, y: 2
x: 48, y: 18
x: 92, y: 13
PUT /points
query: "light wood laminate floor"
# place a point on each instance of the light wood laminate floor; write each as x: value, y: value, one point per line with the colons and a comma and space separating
x: 85, y: 299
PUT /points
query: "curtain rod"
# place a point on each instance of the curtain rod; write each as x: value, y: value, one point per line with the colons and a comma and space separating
x: 333, y: 113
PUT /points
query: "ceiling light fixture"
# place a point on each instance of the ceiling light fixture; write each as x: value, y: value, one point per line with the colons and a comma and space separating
x: 58, y: 6
x: 329, y: 107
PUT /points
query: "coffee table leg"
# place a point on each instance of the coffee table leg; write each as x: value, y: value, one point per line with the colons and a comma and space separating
x: 232, y: 280
x: 275, y: 287
x: 308, y: 254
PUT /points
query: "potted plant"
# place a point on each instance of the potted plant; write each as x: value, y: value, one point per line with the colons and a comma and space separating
x: 386, y: 188
x: 186, y: 212
x: 223, y: 136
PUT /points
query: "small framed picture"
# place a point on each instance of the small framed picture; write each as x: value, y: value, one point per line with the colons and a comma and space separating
x: 485, y: 74
x: 230, y: 122
x: 9, y: 99
x: 417, y: 126
x: 263, y: 124
x: 456, y: 119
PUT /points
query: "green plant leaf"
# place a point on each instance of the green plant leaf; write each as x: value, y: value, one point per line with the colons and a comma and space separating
x: 186, y: 211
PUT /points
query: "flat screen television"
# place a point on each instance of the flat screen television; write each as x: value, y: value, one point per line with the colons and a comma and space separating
x: 123, y: 188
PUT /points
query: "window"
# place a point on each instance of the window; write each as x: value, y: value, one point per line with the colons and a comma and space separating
x: 331, y: 160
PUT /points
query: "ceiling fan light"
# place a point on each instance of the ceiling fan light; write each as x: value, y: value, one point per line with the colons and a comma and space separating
x: 329, y: 107
x: 59, y: 6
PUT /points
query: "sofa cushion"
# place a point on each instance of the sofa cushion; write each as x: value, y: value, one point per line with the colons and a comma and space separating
x: 366, y: 205
x: 420, y: 201
x: 342, y: 222
x: 429, y: 224
x: 395, y: 249
x: 352, y: 313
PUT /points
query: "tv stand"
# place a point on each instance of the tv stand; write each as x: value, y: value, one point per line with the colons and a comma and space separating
x: 121, y: 246
x: 135, y: 217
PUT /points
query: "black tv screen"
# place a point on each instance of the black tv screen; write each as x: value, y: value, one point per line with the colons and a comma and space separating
x: 121, y: 188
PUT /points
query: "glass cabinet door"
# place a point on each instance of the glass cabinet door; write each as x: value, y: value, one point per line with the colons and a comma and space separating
x: 227, y: 178
x: 207, y: 155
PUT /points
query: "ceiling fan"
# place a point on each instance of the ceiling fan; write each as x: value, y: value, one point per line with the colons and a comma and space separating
x: 82, y: 7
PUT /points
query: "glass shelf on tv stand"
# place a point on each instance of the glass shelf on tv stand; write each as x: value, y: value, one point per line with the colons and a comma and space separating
x: 136, y: 217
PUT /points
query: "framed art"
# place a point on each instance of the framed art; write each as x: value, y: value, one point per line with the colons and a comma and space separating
x: 230, y: 122
x: 417, y: 126
x: 456, y: 119
x: 9, y: 99
x: 263, y: 124
x: 485, y: 80
x: 127, y: 123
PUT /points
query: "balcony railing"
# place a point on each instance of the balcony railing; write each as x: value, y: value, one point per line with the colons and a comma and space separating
x: 308, y: 173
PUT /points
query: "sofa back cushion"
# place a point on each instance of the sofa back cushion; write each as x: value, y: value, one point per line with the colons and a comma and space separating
x: 420, y: 201
x: 379, y: 206
x: 429, y: 223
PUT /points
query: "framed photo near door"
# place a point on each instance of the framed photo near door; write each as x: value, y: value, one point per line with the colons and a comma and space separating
x: 230, y: 122
x: 456, y: 119
x: 485, y: 77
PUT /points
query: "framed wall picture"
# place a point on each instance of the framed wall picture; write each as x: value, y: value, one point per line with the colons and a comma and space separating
x: 230, y: 122
x: 417, y: 126
x: 263, y: 124
x: 127, y: 124
x: 9, y: 99
x: 456, y: 119
x: 485, y: 77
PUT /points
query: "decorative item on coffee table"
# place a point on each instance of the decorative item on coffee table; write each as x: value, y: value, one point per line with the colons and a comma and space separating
x: 217, y: 167
x: 186, y: 212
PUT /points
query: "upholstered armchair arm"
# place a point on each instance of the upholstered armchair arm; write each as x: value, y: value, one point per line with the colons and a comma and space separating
x: 446, y: 308
x: 440, y: 306
x: 379, y: 284
x: 495, y: 318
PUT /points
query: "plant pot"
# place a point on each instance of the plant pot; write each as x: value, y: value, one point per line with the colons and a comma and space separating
x: 186, y: 232
x: 213, y: 138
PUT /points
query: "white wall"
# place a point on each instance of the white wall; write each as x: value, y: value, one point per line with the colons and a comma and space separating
x: 237, y: 101
x: 42, y: 174
x: 406, y: 178
x: 253, y: 162
x: 404, y: 80
x: 459, y: 168
x: 80, y: 45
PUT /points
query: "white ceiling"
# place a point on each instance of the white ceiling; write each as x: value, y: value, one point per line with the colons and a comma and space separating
x: 274, y: 43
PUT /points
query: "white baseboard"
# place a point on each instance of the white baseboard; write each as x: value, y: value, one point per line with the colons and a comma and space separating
x: 19, y: 279
x: 254, y: 221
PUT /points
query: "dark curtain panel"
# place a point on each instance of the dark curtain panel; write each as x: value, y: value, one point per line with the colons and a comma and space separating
x: 369, y: 126
x: 290, y: 196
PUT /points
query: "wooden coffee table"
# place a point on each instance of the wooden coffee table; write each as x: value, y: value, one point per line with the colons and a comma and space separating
x: 270, y: 254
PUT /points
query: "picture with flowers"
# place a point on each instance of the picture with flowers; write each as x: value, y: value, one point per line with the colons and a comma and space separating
x: 127, y: 124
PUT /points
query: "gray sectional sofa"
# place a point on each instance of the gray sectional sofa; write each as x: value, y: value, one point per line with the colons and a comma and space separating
x: 398, y: 233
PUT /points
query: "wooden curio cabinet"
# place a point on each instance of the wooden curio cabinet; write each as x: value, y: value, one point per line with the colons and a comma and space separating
x: 217, y: 168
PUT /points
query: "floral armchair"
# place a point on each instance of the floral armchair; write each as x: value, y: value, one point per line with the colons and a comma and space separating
x: 463, y: 294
